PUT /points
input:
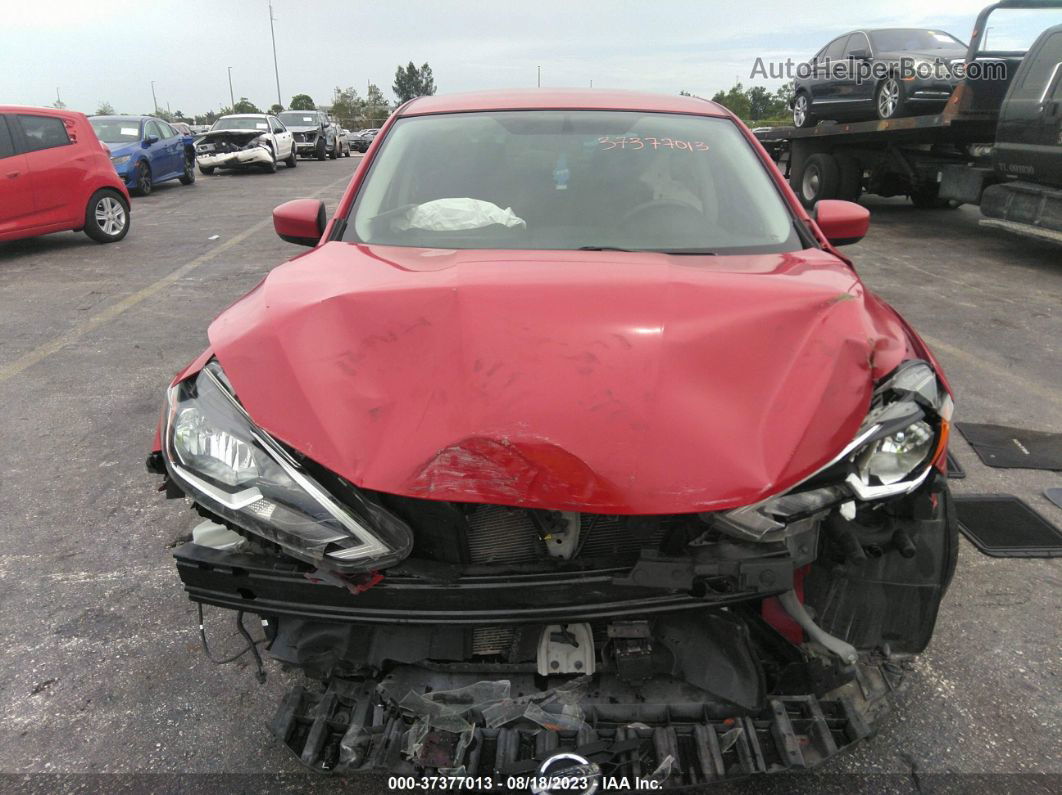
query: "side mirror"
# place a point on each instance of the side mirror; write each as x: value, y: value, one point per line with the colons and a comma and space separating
x: 149, y: 140
x: 301, y: 221
x: 859, y: 55
x: 841, y: 222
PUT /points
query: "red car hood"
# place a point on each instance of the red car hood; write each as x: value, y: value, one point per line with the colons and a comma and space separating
x: 585, y: 381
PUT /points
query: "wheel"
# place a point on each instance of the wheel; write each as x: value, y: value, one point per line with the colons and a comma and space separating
x: 819, y: 178
x: 850, y: 178
x: 206, y: 171
x: 335, y: 151
x: 188, y: 177
x: 293, y: 159
x: 802, y: 116
x: 322, y: 149
x: 107, y: 216
x: 271, y: 166
x: 889, y: 99
x: 346, y: 152
x: 142, y: 186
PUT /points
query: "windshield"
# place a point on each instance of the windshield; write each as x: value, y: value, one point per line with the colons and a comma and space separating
x: 913, y: 40
x: 240, y: 123
x: 116, y: 131
x: 299, y: 119
x: 571, y: 180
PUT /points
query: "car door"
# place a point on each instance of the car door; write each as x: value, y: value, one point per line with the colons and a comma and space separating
x: 172, y: 149
x: 155, y: 151
x: 16, y: 192
x: 857, y: 89
x: 284, y: 139
x: 1028, y: 143
x: 831, y: 72
x: 55, y: 166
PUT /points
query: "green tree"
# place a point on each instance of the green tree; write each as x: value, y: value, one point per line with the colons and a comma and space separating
x: 347, y: 106
x: 276, y: 108
x: 412, y: 82
x: 245, y: 105
x: 735, y: 100
x: 762, y: 103
x: 105, y: 109
x: 375, y: 109
x: 302, y: 102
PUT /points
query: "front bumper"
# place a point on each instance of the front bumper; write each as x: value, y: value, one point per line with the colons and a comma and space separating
x: 306, y: 147
x: 259, y: 155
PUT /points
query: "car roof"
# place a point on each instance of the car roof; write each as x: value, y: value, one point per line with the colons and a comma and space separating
x: 245, y: 115
x: 72, y: 114
x: 561, y: 99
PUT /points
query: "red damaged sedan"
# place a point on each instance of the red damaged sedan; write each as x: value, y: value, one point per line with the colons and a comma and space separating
x: 577, y: 449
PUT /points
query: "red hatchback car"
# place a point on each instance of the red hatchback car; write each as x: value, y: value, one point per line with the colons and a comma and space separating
x: 576, y: 449
x: 55, y: 175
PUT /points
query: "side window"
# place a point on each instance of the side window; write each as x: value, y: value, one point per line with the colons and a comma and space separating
x: 857, y: 41
x: 7, y: 146
x: 42, y: 132
x: 1040, y: 71
x: 151, y: 129
x: 277, y: 126
x: 167, y: 130
x: 835, y: 50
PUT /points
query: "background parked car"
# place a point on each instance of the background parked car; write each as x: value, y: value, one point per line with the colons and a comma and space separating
x: 364, y: 139
x: 181, y: 127
x: 858, y: 76
x: 244, y: 140
x: 146, y: 151
x: 57, y: 176
x: 316, y: 135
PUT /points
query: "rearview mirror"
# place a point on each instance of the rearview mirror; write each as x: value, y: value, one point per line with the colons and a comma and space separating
x: 150, y: 139
x: 859, y: 55
x: 841, y: 222
x: 301, y: 221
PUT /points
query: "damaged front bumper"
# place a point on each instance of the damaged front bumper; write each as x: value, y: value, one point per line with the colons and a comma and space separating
x: 256, y: 156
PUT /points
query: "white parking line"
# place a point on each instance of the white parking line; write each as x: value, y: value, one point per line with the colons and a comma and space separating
x: 110, y: 313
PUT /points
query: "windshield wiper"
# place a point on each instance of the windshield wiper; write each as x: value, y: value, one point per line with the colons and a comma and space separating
x: 603, y: 248
x: 690, y: 252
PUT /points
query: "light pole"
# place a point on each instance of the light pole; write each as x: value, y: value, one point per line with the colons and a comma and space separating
x: 153, y: 98
x: 540, y: 77
x: 232, y: 97
x: 276, y: 69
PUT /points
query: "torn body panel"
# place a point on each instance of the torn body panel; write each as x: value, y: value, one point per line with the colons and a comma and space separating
x: 233, y: 149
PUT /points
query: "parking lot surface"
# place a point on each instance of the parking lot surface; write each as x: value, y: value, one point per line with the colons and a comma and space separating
x: 101, y: 670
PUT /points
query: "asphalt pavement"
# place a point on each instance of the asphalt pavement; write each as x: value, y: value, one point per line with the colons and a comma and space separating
x: 102, y: 681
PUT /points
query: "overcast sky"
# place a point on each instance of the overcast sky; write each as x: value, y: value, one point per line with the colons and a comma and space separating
x: 112, y: 50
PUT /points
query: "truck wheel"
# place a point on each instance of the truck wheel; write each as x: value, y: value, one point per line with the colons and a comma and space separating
x: 107, y: 217
x: 802, y: 116
x: 850, y: 178
x: 322, y: 149
x: 889, y: 99
x: 818, y: 178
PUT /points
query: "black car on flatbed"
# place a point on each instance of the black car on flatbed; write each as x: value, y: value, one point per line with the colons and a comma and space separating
x: 997, y: 143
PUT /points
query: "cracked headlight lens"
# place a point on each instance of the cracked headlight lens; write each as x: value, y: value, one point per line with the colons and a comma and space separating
x: 892, y: 458
x: 235, y: 469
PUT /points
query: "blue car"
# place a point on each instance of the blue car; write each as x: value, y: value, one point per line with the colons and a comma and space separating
x: 146, y: 151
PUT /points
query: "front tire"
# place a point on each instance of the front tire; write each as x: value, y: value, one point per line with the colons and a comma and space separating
x: 271, y: 166
x: 334, y: 154
x: 322, y: 149
x: 889, y: 100
x: 293, y: 159
x: 142, y: 185
x: 107, y: 216
x: 802, y: 116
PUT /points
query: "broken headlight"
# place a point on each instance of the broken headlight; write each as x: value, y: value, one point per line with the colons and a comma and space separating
x: 236, y: 470
x: 892, y: 454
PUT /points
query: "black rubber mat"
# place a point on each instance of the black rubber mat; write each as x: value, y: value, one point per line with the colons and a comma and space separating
x: 1005, y: 527
x: 1014, y: 448
x: 955, y: 470
x: 1055, y: 495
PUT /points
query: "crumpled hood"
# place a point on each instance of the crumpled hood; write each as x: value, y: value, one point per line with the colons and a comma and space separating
x: 587, y: 381
x: 233, y: 136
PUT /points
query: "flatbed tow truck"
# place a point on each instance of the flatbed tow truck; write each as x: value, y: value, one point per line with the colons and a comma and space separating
x: 997, y: 143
